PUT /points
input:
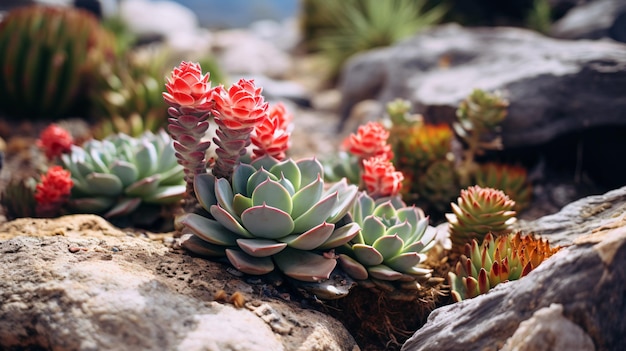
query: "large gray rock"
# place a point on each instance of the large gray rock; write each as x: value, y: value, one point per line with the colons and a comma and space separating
x: 77, y: 283
x: 554, y: 86
x: 581, y: 288
x: 594, y: 20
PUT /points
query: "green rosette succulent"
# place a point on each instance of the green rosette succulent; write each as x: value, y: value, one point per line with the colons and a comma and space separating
x: 114, y: 176
x: 272, y: 213
x: 391, y: 245
x: 346, y: 166
x: 512, y: 180
x: 479, y: 211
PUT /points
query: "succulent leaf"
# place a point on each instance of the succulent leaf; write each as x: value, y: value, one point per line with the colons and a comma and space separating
x: 260, y: 247
x: 304, y: 265
x: 249, y: 264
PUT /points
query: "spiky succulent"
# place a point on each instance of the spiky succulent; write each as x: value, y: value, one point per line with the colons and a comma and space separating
x: 47, y: 53
x: 479, y: 211
x: 512, y: 180
x: 422, y: 145
x: 114, y: 176
x: 496, y: 260
x: 272, y: 213
x: 18, y: 198
x: 391, y: 245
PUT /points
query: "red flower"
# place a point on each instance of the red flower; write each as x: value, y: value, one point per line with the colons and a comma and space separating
x: 271, y: 137
x: 187, y: 87
x: 380, y: 177
x: 369, y: 140
x: 53, y: 190
x: 55, y: 141
x: 241, y: 107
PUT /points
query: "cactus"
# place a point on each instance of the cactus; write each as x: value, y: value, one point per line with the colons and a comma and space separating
x: 47, y: 54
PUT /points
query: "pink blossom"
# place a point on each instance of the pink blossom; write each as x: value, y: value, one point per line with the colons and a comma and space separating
x: 380, y: 177
x: 55, y: 141
x: 53, y: 190
x: 272, y: 136
x: 241, y: 107
x: 188, y: 87
x: 369, y: 140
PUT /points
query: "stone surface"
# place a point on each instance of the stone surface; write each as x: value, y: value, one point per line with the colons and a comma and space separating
x: 555, y: 86
x: 593, y: 20
x: 548, y: 330
x: 585, y: 278
x: 578, y: 218
x: 77, y: 283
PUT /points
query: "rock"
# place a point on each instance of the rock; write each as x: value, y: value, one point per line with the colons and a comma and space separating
x: 586, y: 279
x: 593, y: 20
x: 77, y: 283
x: 177, y: 24
x: 546, y: 80
x: 240, y: 52
x: 578, y: 218
x: 548, y: 330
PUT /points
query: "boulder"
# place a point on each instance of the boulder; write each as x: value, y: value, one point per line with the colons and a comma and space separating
x: 593, y: 20
x: 77, y: 283
x: 555, y: 87
x: 580, y: 290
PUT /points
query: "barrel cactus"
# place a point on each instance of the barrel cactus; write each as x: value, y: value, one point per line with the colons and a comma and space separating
x: 496, y: 260
x: 272, y: 213
x: 47, y: 54
x: 114, y: 176
x: 391, y: 245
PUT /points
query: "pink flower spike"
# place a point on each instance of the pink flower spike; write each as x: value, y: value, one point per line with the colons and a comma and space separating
x: 187, y: 87
x: 272, y: 136
x: 380, y: 177
x: 241, y: 107
x: 55, y: 141
x: 369, y: 140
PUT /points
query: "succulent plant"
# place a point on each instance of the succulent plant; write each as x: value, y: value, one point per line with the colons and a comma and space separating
x: 498, y: 259
x: 479, y: 211
x: 127, y: 95
x: 422, y: 146
x: 479, y: 115
x: 18, y: 198
x: 512, y: 180
x: 116, y: 175
x: 353, y: 26
x: 344, y: 165
x: 47, y: 53
x: 391, y: 245
x: 437, y: 186
x: 272, y: 213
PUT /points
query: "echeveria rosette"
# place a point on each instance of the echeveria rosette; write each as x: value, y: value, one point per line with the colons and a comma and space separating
x: 273, y: 213
x: 190, y: 97
x: 479, y: 211
x: 114, y: 176
x: 238, y: 111
x: 498, y: 259
x: 391, y: 245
